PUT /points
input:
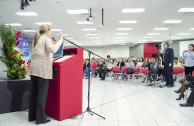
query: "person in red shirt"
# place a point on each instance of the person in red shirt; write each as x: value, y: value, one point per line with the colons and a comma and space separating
x: 93, y: 64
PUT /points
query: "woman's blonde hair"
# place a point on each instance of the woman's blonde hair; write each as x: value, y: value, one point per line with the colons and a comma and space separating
x: 42, y: 29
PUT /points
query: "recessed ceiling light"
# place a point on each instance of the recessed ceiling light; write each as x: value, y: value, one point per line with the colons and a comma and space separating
x: 40, y: 23
x: 119, y: 40
x: 122, y: 44
x: 172, y: 21
x: 84, y: 22
x: 64, y: 34
x: 161, y: 29
x: 124, y: 29
x: 186, y: 10
x: 77, y: 11
x: 184, y: 34
x: 153, y: 33
x: 27, y: 13
x: 174, y: 37
x: 148, y: 37
x: 14, y: 24
x: 56, y: 30
x: 69, y: 38
x: 128, y: 22
x: 192, y: 29
x: 94, y: 38
x: 91, y: 34
x: 157, y: 40
x: 133, y: 10
x: 142, y: 40
x: 122, y: 34
x: 29, y: 30
x: 120, y: 37
x: 91, y: 29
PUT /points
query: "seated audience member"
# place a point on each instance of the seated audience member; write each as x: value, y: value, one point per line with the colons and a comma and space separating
x: 129, y: 64
x: 190, y: 100
x: 116, y: 62
x: 86, y: 65
x: 152, y: 69
x: 177, y: 63
x: 134, y: 61
x: 140, y: 62
x: 102, y: 70
x: 120, y: 64
x: 160, y: 70
x: 93, y: 65
x: 109, y: 64
x: 183, y: 88
x: 145, y: 64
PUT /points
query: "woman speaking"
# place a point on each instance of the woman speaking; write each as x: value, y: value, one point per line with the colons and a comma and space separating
x: 40, y: 72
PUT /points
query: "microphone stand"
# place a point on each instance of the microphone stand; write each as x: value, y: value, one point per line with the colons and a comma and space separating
x: 89, y: 54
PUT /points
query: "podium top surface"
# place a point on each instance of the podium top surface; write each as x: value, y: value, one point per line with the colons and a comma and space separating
x: 62, y: 59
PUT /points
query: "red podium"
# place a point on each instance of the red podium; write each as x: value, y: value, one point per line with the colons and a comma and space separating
x: 64, y: 98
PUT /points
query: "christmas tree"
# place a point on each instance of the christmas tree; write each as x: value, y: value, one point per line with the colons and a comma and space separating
x: 16, y: 66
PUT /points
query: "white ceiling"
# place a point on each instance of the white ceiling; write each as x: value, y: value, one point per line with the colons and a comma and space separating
x: 156, y: 11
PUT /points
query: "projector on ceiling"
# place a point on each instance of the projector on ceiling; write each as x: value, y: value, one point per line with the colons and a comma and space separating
x: 90, y: 19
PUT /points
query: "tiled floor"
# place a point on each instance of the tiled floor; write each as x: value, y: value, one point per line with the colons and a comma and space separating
x: 123, y: 104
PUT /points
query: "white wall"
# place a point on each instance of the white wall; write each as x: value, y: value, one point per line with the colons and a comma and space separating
x: 114, y: 52
x: 184, y: 46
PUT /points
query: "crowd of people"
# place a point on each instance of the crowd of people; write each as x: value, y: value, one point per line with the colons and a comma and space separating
x: 160, y: 68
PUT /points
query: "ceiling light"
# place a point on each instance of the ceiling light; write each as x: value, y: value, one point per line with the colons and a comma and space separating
x: 128, y: 22
x: 186, y: 10
x: 77, y: 11
x: 91, y: 34
x: 161, y: 29
x: 119, y: 40
x: 84, y: 22
x: 153, y: 33
x: 29, y: 30
x: 142, y: 40
x: 64, y: 34
x: 157, y: 40
x: 184, y: 34
x: 148, y: 37
x: 122, y: 34
x: 92, y: 29
x: 172, y: 21
x: 56, y: 30
x: 174, y: 37
x: 192, y: 29
x: 120, y: 37
x: 14, y: 24
x: 69, y: 38
x: 122, y: 44
x: 94, y: 38
x: 124, y: 29
x: 133, y: 10
x: 40, y: 23
x: 27, y: 13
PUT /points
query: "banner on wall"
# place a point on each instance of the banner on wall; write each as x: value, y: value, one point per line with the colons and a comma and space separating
x: 23, y: 47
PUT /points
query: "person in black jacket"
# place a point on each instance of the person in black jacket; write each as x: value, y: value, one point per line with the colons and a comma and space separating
x: 121, y: 63
x: 168, y: 56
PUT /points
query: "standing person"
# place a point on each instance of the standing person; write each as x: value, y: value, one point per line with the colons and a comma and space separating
x: 188, y: 56
x: 168, y: 56
x: 40, y: 72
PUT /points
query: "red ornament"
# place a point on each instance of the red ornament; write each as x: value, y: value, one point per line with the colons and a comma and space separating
x: 23, y: 69
x: 19, y: 63
x: 11, y: 46
x: 24, y: 76
x: 10, y: 55
x: 22, y: 55
x: 17, y: 52
x: 23, y: 62
x: 18, y: 43
x: 18, y: 70
x: 18, y: 33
